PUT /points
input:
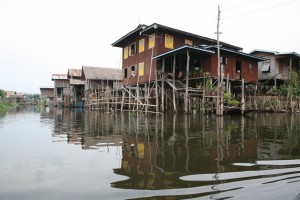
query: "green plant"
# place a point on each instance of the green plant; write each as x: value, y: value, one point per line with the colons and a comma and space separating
x: 233, y: 102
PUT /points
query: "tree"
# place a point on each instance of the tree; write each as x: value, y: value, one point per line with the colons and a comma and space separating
x: 2, y: 94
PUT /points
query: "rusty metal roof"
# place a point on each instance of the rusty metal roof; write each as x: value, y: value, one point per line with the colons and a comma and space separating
x: 100, y: 73
x: 59, y: 76
x: 74, y: 73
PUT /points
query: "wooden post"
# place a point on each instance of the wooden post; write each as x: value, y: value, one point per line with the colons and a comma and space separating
x: 243, y: 98
x: 156, y: 93
x: 203, y: 95
x: 163, y: 87
x: 187, y: 82
x: 123, y: 96
x: 219, y: 110
x: 129, y: 98
x: 227, y: 84
x: 174, y: 72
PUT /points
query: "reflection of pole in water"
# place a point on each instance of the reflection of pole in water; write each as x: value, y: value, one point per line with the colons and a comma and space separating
x: 173, y: 140
x: 220, y: 145
x: 242, y: 132
x: 186, y: 132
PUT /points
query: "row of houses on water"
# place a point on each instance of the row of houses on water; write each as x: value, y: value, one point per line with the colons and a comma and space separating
x: 169, y: 69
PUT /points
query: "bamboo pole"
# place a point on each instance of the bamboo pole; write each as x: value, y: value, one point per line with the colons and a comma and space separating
x: 187, y: 82
x: 163, y: 87
x: 243, y: 97
x: 174, y: 72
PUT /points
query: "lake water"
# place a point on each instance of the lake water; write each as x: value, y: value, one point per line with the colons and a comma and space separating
x: 82, y: 154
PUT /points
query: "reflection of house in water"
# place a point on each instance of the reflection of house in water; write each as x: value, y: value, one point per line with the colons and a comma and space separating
x: 87, y: 129
x: 157, y: 161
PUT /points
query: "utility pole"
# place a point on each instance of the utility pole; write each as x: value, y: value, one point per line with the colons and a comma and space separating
x: 219, y: 109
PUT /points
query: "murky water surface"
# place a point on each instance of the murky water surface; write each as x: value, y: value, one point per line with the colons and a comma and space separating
x: 77, y: 154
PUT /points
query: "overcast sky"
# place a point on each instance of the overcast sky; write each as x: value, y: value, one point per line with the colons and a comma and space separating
x: 42, y: 37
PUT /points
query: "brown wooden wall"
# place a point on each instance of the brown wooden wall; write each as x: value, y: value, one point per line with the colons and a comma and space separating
x: 208, y: 63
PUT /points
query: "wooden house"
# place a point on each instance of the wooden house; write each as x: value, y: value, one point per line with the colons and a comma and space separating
x: 276, y: 68
x: 174, y: 62
x: 76, y: 91
x: 10, y: 93
x: 101, y: 85
x: 48, y: 94
x: 61, y: 89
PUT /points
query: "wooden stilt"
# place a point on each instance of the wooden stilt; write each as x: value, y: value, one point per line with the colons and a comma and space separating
x: 163, y: 87
x: 187, y: 82
x: 174, y: 72
x: 243, y: 97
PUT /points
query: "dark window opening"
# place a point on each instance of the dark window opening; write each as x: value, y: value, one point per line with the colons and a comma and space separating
x: 238, y: 69
x: 224, y: 60
x: 238, y: 66
x: 125, y: 73
x: 132, y: 71
x: 132, y: 49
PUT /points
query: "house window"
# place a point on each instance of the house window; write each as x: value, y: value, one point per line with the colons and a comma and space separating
x: 141, y: 45
x: 169, y: 41
x: 223, y: 60
x: 151, y: 41
x: 125, y: 73
x: 238, y: 68
x: 132, y: 49
x: 188, y: 42
x: 125, y: 52
x: 132, y: 71
x: 141, y: 69
x: 265, y: 68
x: 250, y: 66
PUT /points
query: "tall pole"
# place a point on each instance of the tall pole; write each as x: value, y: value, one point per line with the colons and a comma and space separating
x: 219, y: 109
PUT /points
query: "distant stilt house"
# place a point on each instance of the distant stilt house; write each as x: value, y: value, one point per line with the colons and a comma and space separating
x: 61, y: 89
x: 10, y: 93
x: 76, y: 88
x: 169, y: 69
x: 48, y: 94
x: 276, y: 68
x: 103, y: 87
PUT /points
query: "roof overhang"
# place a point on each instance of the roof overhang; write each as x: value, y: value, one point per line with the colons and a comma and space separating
x: 132, y: 34
x: 240, y: 53
x: 155, y: 26
x: 184, y: 48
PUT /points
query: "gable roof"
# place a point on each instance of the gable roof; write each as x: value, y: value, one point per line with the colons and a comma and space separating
x: 275, y: 53
x: 184, y: 48
x: 74, y: 73
x: 59, y: 77
x: 100, y: 73
x: 144, y: 29
x: 240, y: 53
x: 131, y: 35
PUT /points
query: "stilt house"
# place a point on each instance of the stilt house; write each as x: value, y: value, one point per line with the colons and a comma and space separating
x: 168, y: 66
x: 61, y: 89
x: 102, y: 85
x: 76, y: 88
x: 276, y: 68
x: 48, y: 94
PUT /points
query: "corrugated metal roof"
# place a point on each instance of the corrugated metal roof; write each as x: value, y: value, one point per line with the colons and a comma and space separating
x: 157, y: 26
x: 276, y: 53
x: 239, y: 53
x: 185, y: 47
x: 101, y: 73
x: 59, y: 76
x: 144, y: 28
x: 74, y: 73
x: 133, y: 33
